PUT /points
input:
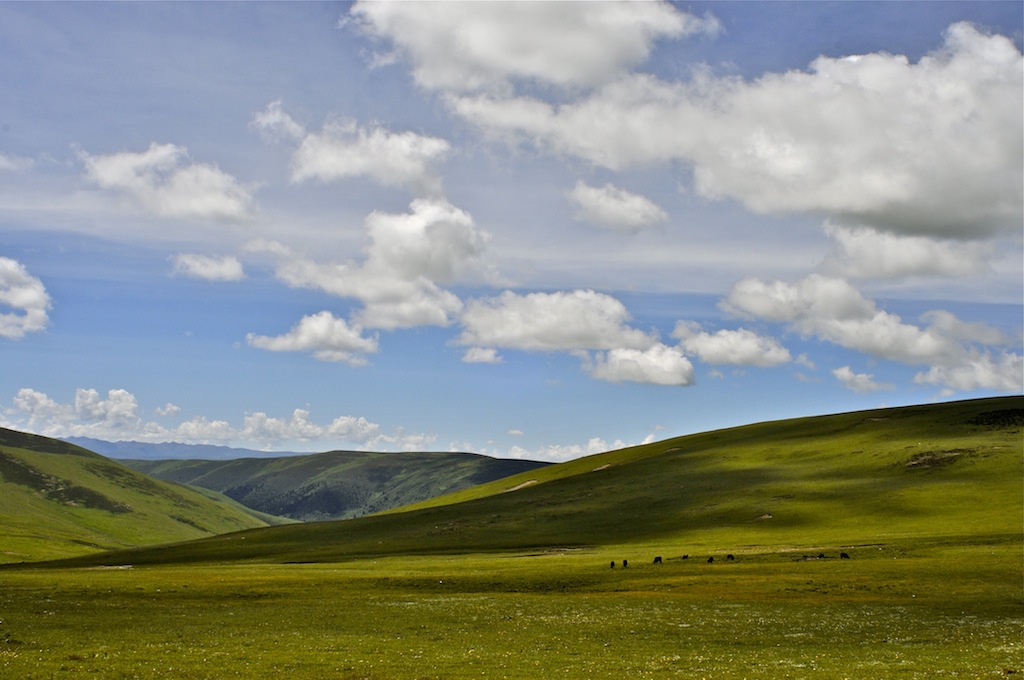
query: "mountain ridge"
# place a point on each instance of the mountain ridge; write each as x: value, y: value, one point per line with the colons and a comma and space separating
x: 335, y: 484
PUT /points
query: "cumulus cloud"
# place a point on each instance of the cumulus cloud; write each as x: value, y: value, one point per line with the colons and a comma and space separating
x: 259, y: 426
x: 408, y: 255
x: 461, y: 46
x: 1003, y: 371
x: 226, y: 268
x: 559, y: 453
x: 165, y: 182
x: 741, y: 347
x: 576, y: 320
x: 115, y: 418
x: 866, y: 253
x: 592, y: 326
x: 326, y: 336
x: 344, y: 149
x: 274, y: 124
x: 615, y: 208
x: 482, y: 355
x: 26, y: 296
x: 657, y: 365
x: 926, y: 148
x: 168, y: 409
x: 89, y: 415
x: 834, y: 311
x: 859, y: 382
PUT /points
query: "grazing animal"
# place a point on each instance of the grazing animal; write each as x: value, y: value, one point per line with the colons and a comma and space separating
x: 711, y: 560
x: 730, y: 557
x: 625, y: 563
x: 657, y: 560
x: 613, y: 564
x: 844, y: 556
x: 686, y: 557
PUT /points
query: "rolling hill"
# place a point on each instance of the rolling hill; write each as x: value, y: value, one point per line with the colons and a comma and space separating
x: 948, y: 473
x: 60, y: 500
x: 337, y: 484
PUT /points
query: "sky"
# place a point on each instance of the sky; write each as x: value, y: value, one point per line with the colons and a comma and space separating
x: 522, y: 229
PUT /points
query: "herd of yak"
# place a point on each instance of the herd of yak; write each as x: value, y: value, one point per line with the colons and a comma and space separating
x: 731, y: 558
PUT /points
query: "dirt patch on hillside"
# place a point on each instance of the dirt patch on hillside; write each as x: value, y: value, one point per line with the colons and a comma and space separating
x: 525, y: 484
x: 934, y: 459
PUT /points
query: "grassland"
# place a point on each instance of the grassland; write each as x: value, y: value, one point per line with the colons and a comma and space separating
x: 913, y: 610
x: 928, y: 502
x: 58, y: 500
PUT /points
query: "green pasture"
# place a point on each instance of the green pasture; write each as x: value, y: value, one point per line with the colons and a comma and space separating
x: 913, y: 609
x: 513, y: 578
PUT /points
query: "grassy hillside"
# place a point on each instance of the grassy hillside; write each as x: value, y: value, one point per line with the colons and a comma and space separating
x: 59, y: 500
x: 948, y: 473
x: 338, y: 484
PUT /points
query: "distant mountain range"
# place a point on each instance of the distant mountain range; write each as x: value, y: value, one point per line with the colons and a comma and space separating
x: 171, y: 450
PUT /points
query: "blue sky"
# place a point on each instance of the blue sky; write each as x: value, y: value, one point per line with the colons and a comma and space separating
x: 534, y: 230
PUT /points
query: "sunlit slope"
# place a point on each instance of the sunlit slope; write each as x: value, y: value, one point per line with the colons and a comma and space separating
x: 336, y: 484
x: 59, y: 500
x: 946, y: 472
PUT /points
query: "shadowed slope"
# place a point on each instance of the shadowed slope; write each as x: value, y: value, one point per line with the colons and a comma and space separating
x: 337, y: 484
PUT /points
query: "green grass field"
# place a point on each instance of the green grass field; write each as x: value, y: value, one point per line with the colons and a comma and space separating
x: 512, y: 579
x: 912, y: 610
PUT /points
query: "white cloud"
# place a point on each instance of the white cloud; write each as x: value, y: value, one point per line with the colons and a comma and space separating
x: 978, y: 370
x: 558, y: 453
x: 226, y: 268
x: 163, y: 181
x: 482, y: 355
x: 590, y: 325
x: 168, y: 409
x: 657, y: 365
x: 742, y: 347
x: 435, y: 240
x: 274, y: 124
x: 867, y: 253
x: 831, y: 309
x: 26, y: 295
x: 926, y: 148
x: 464, y: 46
x: 859, y: 382
x: 581, y: 319
x: 328, y: 337
x: 15, y: 163
x: 259, y: 426
x: 89, y: 415
x: 118, y: 410
x: 115, y: 418
x: 610, y: 206
x: 408, y: 254
x: 343, y: 149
